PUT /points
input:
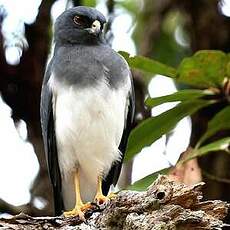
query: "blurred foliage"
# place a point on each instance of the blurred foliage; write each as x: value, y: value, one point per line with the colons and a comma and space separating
x: 91, y: 3
x: 165, y: 47
x: 173, y: 42
x: 207, y: 70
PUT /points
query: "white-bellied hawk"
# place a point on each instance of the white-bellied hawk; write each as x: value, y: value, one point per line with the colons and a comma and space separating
x: 87, y: 109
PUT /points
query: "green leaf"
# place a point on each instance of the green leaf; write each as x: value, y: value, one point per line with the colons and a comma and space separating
x: 149, y: 65
x: 222, y: 144
x: 206, y: 68
x: 91, y: 3
x: 153, y: 128
x: 182, y: 95
x: 219, y: 122
x: 144, y: 183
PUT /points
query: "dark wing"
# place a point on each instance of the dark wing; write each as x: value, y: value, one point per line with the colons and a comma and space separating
x: 49, y: 138
x: 115, y: 170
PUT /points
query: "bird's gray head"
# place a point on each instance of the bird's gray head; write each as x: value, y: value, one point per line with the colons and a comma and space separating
x: 79, y: 25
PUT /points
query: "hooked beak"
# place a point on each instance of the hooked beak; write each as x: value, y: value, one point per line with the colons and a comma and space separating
x: 95, y: 28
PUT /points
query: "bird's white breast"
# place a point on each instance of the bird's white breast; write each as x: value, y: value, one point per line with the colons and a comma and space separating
x: 89, y: 125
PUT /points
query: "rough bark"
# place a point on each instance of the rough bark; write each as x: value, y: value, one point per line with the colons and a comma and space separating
x: 165, y: 205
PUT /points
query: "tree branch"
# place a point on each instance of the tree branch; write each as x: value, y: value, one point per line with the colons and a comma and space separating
x: 165, y: 205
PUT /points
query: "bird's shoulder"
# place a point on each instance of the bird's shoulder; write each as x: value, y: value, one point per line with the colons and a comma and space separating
x: 102, y: 53
x: 86, y: 64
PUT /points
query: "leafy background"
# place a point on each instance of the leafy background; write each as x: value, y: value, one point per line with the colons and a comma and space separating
x: 185, y: 41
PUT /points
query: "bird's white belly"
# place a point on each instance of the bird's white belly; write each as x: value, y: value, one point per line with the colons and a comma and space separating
x: 89, y: 126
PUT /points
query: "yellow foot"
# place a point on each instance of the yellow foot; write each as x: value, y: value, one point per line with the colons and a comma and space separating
x: 102, y: 201
x: 112, y: 195
x: 79, y: 211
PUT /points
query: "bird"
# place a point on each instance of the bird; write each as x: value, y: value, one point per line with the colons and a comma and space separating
x: 87, y: 111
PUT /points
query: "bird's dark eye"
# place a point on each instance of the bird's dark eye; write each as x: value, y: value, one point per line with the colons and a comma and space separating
x: 79, y: 20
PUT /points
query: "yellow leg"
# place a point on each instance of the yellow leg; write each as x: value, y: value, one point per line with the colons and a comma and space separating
x: 79, y: 208
x: 100, y: 199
